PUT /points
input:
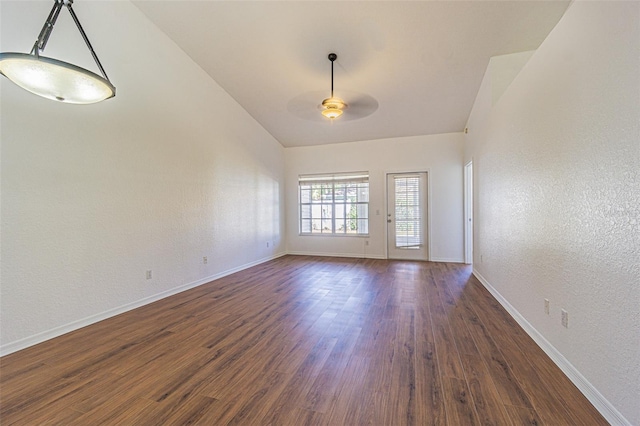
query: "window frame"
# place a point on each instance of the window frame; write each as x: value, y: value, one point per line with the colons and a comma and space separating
x: 323, y: 207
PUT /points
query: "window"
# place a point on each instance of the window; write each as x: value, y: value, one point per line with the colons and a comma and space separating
x: 335, y: 204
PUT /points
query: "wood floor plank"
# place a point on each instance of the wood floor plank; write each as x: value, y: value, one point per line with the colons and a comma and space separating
x: 328, y: 379
x: 52, y: 395
x: 106, y: 388
x: 301, y: 340
x: 445, y: 345
x: 349, y: 405
x: 430, y: 409
x: 118, y: 411
x: 402, y: 392
x: 548, y: 373
x: 254, y: 407
x: 536, y: 379
x: 178, y: 409
x: 301, y: 381
x: 219, y: 412
x: 504, y: 379
x: 458, y: 402
x: 58, y: 415
x: 523, y: 416
x: 486, y: 400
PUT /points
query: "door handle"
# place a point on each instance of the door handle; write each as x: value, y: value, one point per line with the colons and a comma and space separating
x: 388, y: 220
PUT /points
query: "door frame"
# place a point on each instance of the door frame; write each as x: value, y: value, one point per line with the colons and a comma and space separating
x: 468, y: 212
x: 426, y: 170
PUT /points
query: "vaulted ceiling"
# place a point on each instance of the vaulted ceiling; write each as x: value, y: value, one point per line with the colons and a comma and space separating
x: 418, y: 64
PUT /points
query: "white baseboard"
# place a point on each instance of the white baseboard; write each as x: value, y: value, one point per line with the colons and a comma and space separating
x: 366, y: 256
x: 446, y: 259
x: 608, y: 411
x: 352, y: 255
x: 75, y: 325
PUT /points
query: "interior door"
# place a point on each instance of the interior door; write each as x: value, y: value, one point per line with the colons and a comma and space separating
x: 407, y: 216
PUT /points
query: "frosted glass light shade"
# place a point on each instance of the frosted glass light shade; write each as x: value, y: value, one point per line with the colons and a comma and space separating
x: 54, y: 79
x: 333, y: 107
x: 332, y: 112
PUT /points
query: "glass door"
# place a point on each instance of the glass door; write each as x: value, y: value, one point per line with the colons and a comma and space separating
x: 407, y: 216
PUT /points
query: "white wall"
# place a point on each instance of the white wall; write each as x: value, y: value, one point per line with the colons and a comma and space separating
x: 440, y: 155
x: 557, y: 202
x: 170, y: 170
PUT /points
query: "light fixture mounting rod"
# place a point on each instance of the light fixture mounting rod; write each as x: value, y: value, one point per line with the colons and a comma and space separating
x: 47, y: 29
x: 332, y: 58
x: 86, y: 39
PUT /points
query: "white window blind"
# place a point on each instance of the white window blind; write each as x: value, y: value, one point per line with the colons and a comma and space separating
x: 408, y: 212
x: 335, y: 204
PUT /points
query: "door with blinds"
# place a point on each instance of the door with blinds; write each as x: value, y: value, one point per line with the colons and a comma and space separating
x: 407, y: 216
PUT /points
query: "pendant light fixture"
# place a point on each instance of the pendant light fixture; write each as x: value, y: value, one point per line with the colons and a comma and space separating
x: 52, y: 78
x: 333, y: 107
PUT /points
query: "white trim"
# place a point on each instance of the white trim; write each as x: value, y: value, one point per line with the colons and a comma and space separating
x: 368, y: 256
x: 75, y: 325
x: 446, y: 260
x: 468, y: 212
x: 325, y: 254
x: 608, y: 411
x: 429, y: 216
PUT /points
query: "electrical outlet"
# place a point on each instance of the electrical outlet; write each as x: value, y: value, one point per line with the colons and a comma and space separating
x: 546, y: 306
x: 565, y: 318
x: 204, y: 259
x: 149, y: 274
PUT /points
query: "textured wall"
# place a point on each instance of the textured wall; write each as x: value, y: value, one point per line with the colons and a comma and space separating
x: 170, y: 170
x: 441, y: 155
x: 557, y: 200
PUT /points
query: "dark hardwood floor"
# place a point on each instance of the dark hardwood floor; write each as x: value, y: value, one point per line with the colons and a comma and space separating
x: 300, y: 340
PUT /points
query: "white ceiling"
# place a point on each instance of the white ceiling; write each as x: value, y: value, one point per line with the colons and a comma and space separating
x: 422, y: 61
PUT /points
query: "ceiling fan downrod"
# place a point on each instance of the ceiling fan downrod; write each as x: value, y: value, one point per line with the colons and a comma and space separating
x: 332, y: 58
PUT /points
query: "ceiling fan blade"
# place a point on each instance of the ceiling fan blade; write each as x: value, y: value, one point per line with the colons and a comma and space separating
x: 306, y: 105
x: 309, y: 104
x: 360, y: 106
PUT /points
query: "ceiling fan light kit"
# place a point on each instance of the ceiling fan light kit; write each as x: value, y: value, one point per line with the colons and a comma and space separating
x: 333, y: 107
x: 52, y: 78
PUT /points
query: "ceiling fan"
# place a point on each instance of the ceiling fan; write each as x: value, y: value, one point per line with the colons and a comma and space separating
x: 359, y: 105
